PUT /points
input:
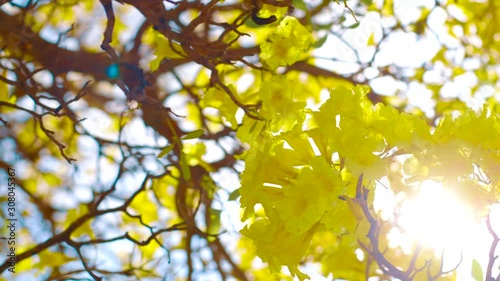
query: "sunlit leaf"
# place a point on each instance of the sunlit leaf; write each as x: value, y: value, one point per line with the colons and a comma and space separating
x: 477, y: 272
x: 234, y: 195
x: 371, y: 40
x: 144, y: 206
x: 352, y: 26
x: 320, y: 42
x: 193, y: 135
x: 214, y: 226
x: 300, y: 4
x: 185, y: 169
x: 52, y: 259
x: 166, y: 150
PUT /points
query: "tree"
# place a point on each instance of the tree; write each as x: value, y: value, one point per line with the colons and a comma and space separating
x: 131, y: 128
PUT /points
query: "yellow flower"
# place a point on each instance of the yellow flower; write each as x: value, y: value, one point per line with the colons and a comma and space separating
x: 278, y: 247
x: 289, y: 43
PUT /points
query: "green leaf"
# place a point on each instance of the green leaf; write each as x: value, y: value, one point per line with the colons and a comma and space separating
x: 477, y: 272
x: 186, y: 172
x: 354, y: 25
x: 320, y: 42
x: 193, y: 135
x: 213, y: 228
x: 234, y: 195
x: 300, y: 4
x: 250, y: 23
x: 322, y: 26
x: 166, y: 150
x: 367, y: 2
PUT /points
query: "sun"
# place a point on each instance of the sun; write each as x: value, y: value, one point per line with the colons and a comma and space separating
x: 437, y: 218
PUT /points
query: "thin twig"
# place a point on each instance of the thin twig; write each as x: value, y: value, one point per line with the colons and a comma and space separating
x: 491, y: 255
x: 108, y: 32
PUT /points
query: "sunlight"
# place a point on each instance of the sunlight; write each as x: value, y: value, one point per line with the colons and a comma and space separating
x: 437, y: 218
